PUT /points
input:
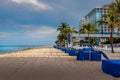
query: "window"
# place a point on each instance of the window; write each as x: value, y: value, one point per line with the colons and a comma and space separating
x: 105, y: 19
x: 105, y: 29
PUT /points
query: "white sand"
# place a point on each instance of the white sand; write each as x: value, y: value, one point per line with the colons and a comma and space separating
x: 50, y: 64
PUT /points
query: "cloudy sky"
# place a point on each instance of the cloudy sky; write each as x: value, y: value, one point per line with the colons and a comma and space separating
x: 34, y: 22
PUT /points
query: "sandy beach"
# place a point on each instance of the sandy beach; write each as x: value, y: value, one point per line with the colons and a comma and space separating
x: 48, y: 63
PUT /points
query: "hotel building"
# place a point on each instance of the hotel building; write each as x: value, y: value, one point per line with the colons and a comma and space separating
x: 94, y: 16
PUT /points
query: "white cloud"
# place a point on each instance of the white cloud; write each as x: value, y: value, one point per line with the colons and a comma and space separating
x: 31, y: 32
x: 43, y: 35
x: 34, y: 3
x: 7, y: 34
x: 40, y: 32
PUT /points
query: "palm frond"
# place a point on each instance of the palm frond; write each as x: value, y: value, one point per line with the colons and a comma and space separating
x: 89, y: 28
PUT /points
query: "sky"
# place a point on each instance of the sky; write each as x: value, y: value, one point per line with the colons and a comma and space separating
x: 34, y: 22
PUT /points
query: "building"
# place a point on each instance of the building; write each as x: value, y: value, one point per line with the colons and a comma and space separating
x: 96, y: 15
x: 82, y: 22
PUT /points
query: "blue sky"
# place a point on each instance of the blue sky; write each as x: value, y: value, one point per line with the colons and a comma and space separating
x: 34, y: 22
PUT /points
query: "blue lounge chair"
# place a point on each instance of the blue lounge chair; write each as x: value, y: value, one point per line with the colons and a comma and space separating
x: 90, y: 54
x: 111, y: 67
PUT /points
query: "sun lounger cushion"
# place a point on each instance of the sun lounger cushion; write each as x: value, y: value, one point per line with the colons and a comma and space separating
x: 111, y: 67
x: 88, y: 49
x: 95, y: 56
x: 73, y: 52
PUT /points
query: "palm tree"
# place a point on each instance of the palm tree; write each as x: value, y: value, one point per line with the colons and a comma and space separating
x: 65, y: 30
x: 81, y: 31
x: 112, y: 21
x: 88, y: 28
x: 68, y: 31
x: 62, y: 26
x: 101, y: 23
x: 114, y: 6
x: 61, y: 38
x: 70, y: 34
x: 113, y: 18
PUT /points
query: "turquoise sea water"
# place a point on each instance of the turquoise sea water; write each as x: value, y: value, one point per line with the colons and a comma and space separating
x: 12, y: 48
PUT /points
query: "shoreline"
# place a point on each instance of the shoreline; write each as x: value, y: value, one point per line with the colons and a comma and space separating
x: 13, y: 51
x: 18, y: 52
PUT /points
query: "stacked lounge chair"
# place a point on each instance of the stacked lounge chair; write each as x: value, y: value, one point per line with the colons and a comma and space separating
x: 111, y: 67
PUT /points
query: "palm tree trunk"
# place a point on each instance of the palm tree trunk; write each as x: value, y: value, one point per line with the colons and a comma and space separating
x: 60, y: 43
x: 71, y: 37
x: 89, y: 37
x: 102, y: 38
x: 118, y: 29
x: 111, y: 40
x: 67, y: 40
x: 64, y: 42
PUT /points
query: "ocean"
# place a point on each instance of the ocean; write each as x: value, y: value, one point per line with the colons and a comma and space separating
x: 12, y: 48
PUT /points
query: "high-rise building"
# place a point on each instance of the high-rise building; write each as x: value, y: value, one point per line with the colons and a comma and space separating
x: 96, y: 15
x: 82, y: 22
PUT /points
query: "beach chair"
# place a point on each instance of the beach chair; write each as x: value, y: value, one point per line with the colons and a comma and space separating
x: 91, y: 54
x: 111, y: 67
x: 73, y: 52
x: 85, y: 54
x: 95, y: 56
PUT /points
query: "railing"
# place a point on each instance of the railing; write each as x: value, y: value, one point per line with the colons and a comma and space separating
x: 95, y: 35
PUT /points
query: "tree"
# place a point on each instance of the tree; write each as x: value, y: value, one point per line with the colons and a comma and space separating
x: 62, y: 26
x: 111, y: 21
x: 62, y: 32
x: 70, y: 34
x: 113, y: 18
x: 65, y: 30
x: 88, y: 28
x: 101, y: 23
x: 61, y: 39
x: 115, y: 6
